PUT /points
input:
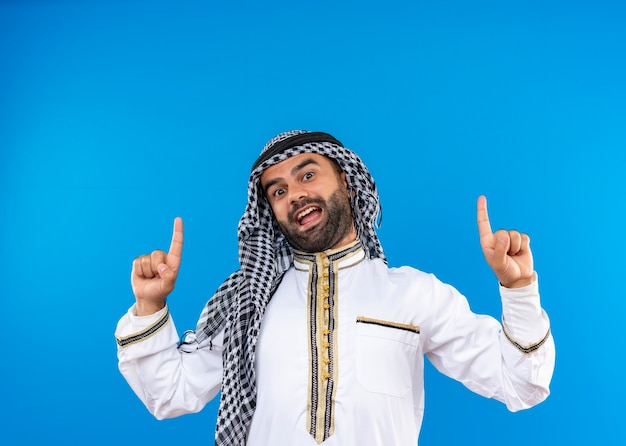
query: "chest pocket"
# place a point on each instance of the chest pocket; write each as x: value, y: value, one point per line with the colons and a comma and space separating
x: 385, y: 355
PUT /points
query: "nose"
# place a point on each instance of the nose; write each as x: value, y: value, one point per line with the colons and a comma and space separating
x: 296, y: 192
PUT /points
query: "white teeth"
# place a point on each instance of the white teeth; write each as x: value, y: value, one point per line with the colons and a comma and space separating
x: 306, y: 212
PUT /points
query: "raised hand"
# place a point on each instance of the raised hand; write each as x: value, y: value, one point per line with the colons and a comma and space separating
x: 507, y: 252
x: 153, y: 275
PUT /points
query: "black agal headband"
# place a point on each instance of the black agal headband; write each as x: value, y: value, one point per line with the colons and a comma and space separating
x: 293, y: 141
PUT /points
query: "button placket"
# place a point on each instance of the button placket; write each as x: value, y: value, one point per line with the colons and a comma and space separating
x: 326, y: 328
x: 322, y: 314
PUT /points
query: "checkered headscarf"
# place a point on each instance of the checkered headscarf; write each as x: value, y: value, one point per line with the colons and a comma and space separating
x: 264, y: 255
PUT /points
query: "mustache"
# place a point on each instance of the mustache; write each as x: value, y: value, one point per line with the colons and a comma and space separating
x: 305, y: 202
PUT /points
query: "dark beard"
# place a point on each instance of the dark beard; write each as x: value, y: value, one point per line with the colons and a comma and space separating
x: 320, y: 238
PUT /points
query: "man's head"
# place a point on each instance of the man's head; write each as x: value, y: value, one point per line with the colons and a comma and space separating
x: 263, y: 241
x: 310, y: 199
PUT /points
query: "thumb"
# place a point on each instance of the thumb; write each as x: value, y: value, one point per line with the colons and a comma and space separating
x: 168, y: 278
x: 499, y: 258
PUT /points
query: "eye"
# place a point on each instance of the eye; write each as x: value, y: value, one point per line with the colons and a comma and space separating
x: 278, y: 192
x: 307, y: 176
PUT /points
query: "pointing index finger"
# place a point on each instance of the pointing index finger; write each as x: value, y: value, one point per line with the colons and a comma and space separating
x: 482, y: 217
x: 176, y: 247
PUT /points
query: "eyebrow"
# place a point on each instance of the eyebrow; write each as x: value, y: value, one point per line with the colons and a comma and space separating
x: 298, y: 167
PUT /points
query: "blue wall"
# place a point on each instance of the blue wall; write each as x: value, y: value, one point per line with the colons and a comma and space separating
x: 115, y: 117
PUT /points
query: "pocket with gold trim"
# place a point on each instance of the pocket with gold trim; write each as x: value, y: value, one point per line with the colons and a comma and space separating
x: 385, y: 355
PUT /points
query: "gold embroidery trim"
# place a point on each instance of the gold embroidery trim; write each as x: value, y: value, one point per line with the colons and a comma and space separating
x: 144, y: 334
x: 390, y: 324
x: 528, y: 348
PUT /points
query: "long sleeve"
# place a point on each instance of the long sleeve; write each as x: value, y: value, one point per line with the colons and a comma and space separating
x: 511, y: 361
x: 170, y: 379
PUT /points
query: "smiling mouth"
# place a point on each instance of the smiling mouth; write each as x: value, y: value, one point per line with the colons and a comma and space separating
x: 308, y: 215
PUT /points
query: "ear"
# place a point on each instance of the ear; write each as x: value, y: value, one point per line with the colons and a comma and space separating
x: 344, y: 181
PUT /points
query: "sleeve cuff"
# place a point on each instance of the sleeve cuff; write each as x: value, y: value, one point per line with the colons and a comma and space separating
x: 133, y: 329
x: 525, y: 323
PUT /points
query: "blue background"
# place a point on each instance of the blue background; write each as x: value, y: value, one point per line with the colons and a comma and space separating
x: 115, y: 117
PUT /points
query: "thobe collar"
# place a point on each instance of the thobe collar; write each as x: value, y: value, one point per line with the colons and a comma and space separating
x: 348, y: 256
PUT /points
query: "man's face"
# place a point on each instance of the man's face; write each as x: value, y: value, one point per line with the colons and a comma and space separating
x: 311, y: 202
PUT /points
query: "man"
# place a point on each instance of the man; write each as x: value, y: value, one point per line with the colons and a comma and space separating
x: 315, y: 339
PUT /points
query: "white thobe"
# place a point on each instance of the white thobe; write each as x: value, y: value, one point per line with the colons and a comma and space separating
x: 340, y: 355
